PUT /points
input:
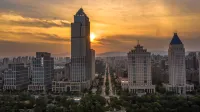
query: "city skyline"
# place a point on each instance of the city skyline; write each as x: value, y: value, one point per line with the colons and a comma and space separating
x: 30, y: 26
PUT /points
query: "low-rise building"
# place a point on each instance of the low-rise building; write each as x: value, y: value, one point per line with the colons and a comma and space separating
x: 65, y: 86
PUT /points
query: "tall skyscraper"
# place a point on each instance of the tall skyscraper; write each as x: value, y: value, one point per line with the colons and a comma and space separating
x: 81, y: 56
x: 177, y: 69
x: 42, y: 72
x: 139, y: 71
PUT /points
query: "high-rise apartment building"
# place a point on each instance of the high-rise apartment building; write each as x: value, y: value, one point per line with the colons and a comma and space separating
x: 16, y: 77
x: 139, y: 71
x: 177, y: 69
x: 42, y: 72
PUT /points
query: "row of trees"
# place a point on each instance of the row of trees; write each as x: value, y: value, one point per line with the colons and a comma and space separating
x: 156, y: 103
x: 107, y: 84
x: 100, y: 84
x: 115, y: 83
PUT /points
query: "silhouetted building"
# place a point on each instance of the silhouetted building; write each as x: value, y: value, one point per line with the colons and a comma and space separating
x: 81, y: 60
x: 16, y: 77
x: 42, y: 72
x: 192, y: 61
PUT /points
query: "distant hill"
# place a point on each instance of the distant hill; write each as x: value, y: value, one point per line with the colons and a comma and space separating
x: 61, y: 54
x: 112, y: 54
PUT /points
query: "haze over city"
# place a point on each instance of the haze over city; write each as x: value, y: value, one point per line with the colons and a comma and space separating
x: 28, y: 26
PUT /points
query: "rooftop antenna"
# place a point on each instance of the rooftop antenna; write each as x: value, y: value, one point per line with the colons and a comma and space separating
x: 175, y: 32
x: 138, y: 42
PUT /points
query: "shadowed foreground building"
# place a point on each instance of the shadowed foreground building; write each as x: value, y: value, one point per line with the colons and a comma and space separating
x: 16, y: 77
x: 42, y: 72
x: 177, y: 69
x: 199, y: 67
x: 139, y: 71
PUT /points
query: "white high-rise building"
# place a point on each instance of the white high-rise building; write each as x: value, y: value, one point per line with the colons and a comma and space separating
x: 139, y: 71
x: 81, y: 53
x: 177, y: 70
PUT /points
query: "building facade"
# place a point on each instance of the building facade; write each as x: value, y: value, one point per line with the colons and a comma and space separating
x: 16, y: 77
x: 177, y: 69
x: 199, y: 67
x: 42, y: 72
x: 92, y: 64
x: 139, y: 71
x: 65, y: 86
x: 81, y: 51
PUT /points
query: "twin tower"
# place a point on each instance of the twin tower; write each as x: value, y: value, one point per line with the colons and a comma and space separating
x: 139, y: 69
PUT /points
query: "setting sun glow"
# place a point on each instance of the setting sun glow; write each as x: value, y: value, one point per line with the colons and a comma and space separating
x: 92, y: 37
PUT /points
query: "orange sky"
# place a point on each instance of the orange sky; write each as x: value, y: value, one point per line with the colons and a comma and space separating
x: 27, y: 26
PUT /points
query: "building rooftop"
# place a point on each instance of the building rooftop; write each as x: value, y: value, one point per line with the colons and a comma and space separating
x: 138, y: 49
x: 175, y: 40
x: 81, y: 12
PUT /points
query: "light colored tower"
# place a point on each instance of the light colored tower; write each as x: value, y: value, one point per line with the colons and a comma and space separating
x: 81, y: 50
x: 139, y: 71
x: 177, y: 70
x: 176, y: 55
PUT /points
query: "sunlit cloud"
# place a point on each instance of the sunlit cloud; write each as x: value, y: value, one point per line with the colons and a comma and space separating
x: 114, y: 22
x: 34, y: 22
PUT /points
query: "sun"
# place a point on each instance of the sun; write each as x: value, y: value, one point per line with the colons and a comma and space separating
x: 92, y: 37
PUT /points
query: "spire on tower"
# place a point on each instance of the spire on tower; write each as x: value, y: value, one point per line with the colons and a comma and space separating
x: 175, y: 40
x: 81, y: 12
x: 138, y: 42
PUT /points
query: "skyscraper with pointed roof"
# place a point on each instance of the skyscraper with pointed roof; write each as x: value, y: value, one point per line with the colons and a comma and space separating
x: 81, y: 56
x: 177, y: 70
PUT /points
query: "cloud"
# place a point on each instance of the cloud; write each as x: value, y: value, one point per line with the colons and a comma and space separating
x: 54, y: 38
x: 120, y: 22
x: 18, y: 20
x: 11, y: 48
x: 126, y: 42
x: 36, y: 37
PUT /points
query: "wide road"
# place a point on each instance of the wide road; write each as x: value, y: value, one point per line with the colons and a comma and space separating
x: 110, y: 84
x: 103, y: 93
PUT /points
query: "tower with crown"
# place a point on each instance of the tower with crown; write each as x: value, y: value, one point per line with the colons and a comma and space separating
x: 82, y: 56
x: 139, y: 71
x: 177, y: 71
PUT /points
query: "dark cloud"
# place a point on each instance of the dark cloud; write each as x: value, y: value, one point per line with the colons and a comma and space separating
x: 126, y: 42
x: 11, y: 48
x: 39, y: 36
x: 45, y: 24
x: 18, y: 20
x: 182, y: 7
x: 54, y: 38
